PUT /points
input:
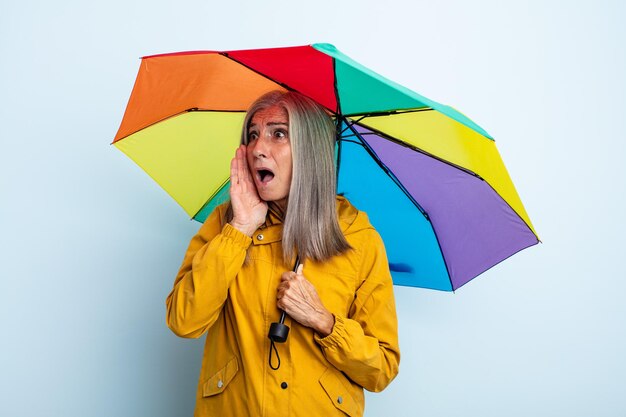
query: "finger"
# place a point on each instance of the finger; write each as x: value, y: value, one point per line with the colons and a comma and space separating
x: 281, y: 301
x: 299, y: 269
x: 244, y: 160
x: 244, y: 171
x: 233, y: 171
x: 238, y: 175
x: 287, y: 276
x: 240, y: 165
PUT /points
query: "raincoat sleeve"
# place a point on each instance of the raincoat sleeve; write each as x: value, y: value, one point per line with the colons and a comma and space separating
x: 364, y: 345
x: 213, y: 259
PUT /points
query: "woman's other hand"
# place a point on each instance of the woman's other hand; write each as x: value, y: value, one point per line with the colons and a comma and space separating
x: 298, y: 298
x: 248, y: 209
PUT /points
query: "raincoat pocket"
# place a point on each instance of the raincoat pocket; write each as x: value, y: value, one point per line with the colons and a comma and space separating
x: 218, y: 382
x: 339, y: 393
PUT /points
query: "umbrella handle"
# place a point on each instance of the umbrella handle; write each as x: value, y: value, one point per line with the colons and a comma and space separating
x: 279, y: 330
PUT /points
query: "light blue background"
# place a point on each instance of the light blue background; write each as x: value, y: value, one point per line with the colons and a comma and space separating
x: 90, y: 245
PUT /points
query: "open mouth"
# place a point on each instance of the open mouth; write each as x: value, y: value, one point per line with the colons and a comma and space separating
x: 265, y: 175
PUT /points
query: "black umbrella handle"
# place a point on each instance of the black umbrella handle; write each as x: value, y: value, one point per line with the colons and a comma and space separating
x: 279, y: 330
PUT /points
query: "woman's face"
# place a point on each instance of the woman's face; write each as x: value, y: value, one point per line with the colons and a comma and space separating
x: 269, y: 154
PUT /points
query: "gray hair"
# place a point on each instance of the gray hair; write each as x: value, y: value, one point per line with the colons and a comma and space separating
x: 311, y: 227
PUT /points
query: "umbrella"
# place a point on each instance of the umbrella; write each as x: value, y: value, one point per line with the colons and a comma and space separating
x: 430, y: 179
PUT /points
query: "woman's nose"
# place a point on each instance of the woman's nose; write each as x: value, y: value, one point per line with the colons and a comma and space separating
x: 259, y: 148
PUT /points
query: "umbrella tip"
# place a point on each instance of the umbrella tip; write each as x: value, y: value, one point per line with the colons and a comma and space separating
x: 328, y: 47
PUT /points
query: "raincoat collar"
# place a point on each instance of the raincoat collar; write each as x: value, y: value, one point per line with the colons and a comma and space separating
x: 350, y: 221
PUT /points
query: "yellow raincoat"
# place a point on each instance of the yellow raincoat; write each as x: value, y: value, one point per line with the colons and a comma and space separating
x: 217, y: 291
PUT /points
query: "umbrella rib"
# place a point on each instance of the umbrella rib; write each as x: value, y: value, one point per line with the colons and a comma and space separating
x: 389, y: 173
x: 220, y: 188
x: 226, y: 55
x: 152, y: 124
x: 389, y: 112
x: 352, y: 122
x: 285, y: 86
x: 175, y: 115
x: 356, y: 142
x: 215, y: 110
x: 375, y: 114
x: 400, y: 142
x: 336, y: 89
x: 376, y: 132
x: 408, y: 195
x: 338, y: 139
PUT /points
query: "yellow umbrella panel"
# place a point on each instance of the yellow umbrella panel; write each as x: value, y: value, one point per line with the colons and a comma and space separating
x: 188, y: 155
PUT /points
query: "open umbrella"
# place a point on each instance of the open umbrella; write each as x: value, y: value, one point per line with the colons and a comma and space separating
x: 430, y: 179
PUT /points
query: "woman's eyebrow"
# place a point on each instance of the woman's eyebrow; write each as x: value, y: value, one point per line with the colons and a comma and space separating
x: 269, y: 124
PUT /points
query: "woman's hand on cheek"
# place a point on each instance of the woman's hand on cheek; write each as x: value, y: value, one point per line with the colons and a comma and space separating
x: 298, y: 298
x: 248, y: 209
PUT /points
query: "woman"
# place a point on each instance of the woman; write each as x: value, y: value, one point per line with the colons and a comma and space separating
x: 238, y: 272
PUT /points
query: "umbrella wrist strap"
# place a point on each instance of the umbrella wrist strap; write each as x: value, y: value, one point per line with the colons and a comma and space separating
x: 273, y: 350
x: 279, y: 331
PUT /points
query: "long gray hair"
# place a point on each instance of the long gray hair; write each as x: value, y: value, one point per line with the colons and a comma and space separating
x: 311, y: 228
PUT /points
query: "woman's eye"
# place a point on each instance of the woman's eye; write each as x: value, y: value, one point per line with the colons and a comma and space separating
x: 252, y: 136
x: 280, y: 134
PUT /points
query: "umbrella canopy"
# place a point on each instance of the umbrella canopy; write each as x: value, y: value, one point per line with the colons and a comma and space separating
x: 430, y: 179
